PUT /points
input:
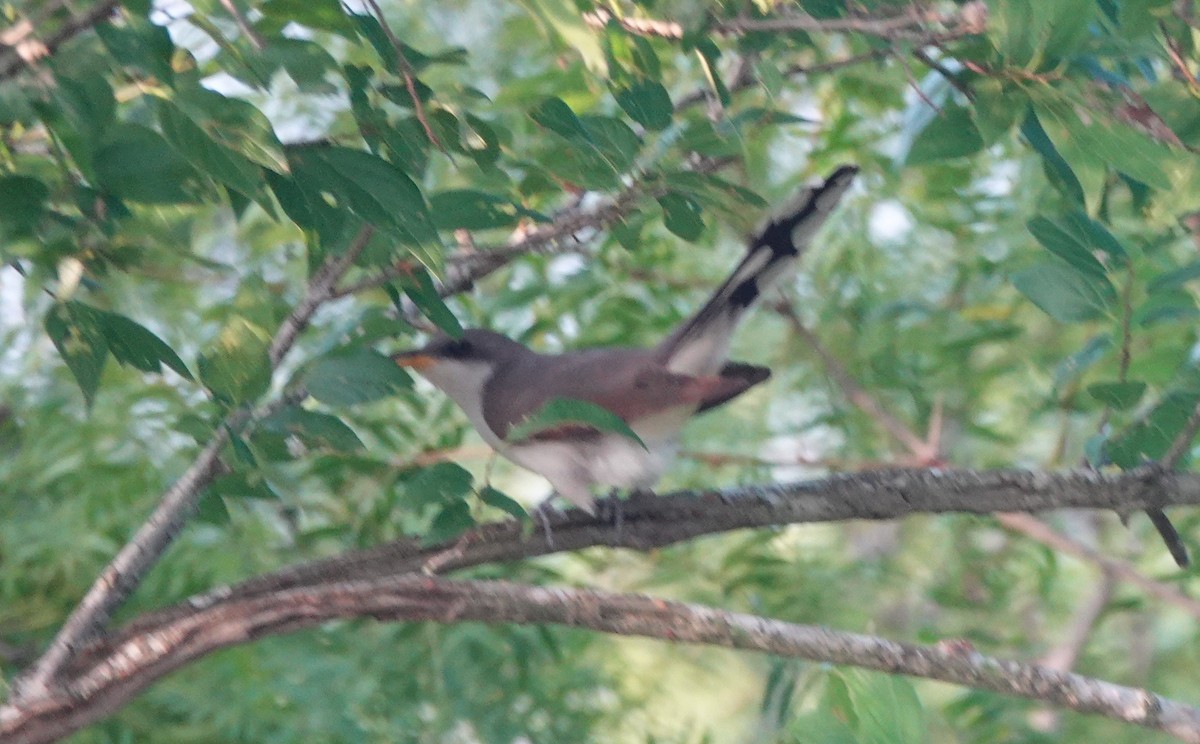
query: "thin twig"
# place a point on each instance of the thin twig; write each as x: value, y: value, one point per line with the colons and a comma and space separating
x: 854, y: 392
x: 251, y: 33
x: 408, y: 73
x: 1038, y: 530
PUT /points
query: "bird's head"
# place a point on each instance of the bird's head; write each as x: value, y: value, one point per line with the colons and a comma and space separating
x: 460, y: 367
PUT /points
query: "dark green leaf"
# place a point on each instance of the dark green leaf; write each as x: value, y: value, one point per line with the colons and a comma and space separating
x: 222, y: 164
x: 501, y: 501
x: 443, y: 483
x: 131, y: 343
x: 81, y: 345
x: 136, y: 163
x: 557, y: 116
x: 474, y: 210
x: 212, y: 509
x: 239, y: 485
x: 1066, y: 244
x: 1119, y: 395
x: 372, y: 188
x: 22, y: 204
x: 681, y: 215
x: 566, y: 411
x: 352, y: 376
x: 950, y: 134
x: 1067, y: 295
x: 647, y: 102
x: 1151, y: 438
x: 317, y: 430
x: 418, y: 285
x: 140, y: 44
x: 324, y: 15
x: 235, y: 124
x: 1057, y: 169
x: 453, y: 520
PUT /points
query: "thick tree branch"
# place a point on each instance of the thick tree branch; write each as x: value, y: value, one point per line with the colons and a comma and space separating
x: 655, y: 521
x: 123, y: 574
x: 138, y: 661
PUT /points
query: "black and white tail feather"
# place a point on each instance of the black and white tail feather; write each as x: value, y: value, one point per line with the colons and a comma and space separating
x: 701, y: 345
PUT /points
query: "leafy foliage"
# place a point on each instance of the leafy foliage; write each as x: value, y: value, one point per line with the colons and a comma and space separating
x: 1017, y: 267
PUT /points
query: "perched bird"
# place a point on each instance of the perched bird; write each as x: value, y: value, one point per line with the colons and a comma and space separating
x: 500, y: 383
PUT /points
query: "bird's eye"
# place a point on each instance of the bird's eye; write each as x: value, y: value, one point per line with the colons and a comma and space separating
x: 459, y: 349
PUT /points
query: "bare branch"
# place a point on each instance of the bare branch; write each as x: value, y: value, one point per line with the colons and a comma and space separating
x: 138, y: 661
x: 126, y: 570
x: 1038, y: 530
x: 913, y: 23
x: 655, y: 521
x: 12, y: 62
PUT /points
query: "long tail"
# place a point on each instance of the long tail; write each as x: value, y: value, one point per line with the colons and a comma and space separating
x: 700, y: 345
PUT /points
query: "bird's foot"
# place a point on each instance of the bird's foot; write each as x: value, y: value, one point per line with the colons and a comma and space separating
x: 541, y: 514
x: 611, y: 510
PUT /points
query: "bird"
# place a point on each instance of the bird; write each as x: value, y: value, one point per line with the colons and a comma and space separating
x: 500, y: 383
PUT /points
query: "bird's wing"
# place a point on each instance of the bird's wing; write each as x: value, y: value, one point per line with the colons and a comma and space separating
x: 626, y: 382
x: 700, y: 345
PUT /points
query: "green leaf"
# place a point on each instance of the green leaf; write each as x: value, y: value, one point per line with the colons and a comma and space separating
x: 950, y: 134
x: 567, y: 411
x: 886, y: 707
x: 81, y: 345
x: 681, y: 215
x: 306, y: 62
x: 647, y: 102
x: 474, y: 210
x: 1175, y: 278
x: 212, y: 510
x: 418, y: 285
x: 1065, y: 294
x: 1150, y: 438
x: 140, y: 44
x: 370, y: 187
x: 504, y: 503
x: 22, y: 205
x: 222, y: 164
x: 1167, y: 305
x: 136, y: 163
x: 1101, y: 139
x: 351, y: 376
x: 239, y: 485
x: 1076, y: 239
x: 317, y: 430
x: 453, y: 520
x: 710, y: 55
x: 236, y: 367
x: 554, y: 114
x: 1119, y: 395
x: 1057, y: 169
x: 235, y: 124
x: 132, y: 343
x: 444, y: 482
x: 323, y: 15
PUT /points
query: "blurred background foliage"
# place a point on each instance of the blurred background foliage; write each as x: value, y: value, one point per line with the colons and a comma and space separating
x: 1014, y: 274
